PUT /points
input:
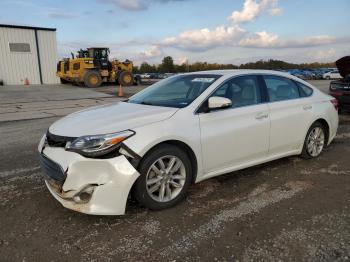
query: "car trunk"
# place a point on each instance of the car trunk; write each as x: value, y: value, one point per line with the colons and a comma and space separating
x: 343, y: 65
x: 342, y: 85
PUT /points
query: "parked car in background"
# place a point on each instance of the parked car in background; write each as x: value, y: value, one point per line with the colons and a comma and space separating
x: 302, y: 74
x: 334, y: 74
x: 179, y: 131
x: 340, y: 89
x: 162, y: 76
x: 317, y: 73
x: 145, y: 76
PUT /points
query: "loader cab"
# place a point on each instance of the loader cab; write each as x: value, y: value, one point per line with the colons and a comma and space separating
x: 99, y: 52
x: 100, y: 56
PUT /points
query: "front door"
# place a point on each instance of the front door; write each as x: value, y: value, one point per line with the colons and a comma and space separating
x: 235, y: 136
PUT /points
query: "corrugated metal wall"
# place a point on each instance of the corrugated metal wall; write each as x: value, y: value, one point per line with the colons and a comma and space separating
x: 48, y: 56
x: 16, y: 66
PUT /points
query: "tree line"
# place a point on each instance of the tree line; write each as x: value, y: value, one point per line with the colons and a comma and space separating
x: 168, y: 66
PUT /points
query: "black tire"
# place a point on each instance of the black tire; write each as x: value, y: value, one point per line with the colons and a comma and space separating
x: 63, y: 81
x: 126, y: 78
x: 305, y: 153
x: 92, y: 79
x: 139, y: 191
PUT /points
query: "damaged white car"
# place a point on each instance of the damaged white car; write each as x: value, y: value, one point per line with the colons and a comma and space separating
x: 179, y: 131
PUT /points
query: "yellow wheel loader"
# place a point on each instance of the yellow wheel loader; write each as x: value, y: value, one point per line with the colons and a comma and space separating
x: 92, y: 67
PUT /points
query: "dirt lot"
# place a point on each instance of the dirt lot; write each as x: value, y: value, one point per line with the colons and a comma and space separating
x: 289, y: 209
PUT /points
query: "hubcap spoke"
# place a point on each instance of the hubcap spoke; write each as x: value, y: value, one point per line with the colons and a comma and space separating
x: 153, y: 180
x: 161, y: 192
x: 161, y: 164
x: 178, y: 177
x: 168, y: 192
x: 156, y: 170
x: 171, y: 164
x: 175, y: 184
x: 154, y: 188
x: 176, y: 167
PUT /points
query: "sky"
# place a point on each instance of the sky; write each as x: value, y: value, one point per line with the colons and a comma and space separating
x: 222, y: 31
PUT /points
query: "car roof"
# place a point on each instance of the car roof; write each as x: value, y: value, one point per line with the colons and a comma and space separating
x: 233, y: 72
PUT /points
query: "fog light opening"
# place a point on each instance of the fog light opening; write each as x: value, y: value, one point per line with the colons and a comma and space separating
x: 85, y: 194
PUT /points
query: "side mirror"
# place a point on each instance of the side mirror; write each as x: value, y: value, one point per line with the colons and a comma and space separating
x: 218, y: 102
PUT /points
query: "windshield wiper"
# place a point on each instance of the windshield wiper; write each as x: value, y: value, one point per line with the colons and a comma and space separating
x: 147, y: 103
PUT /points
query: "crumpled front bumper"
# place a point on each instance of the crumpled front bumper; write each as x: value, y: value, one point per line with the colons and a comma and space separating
x: 110, y: 181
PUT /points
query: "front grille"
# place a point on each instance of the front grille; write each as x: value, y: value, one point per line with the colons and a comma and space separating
x: 52, y: 170
x: 57, y: 141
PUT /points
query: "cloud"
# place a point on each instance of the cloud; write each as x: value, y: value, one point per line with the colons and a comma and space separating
x: 318, y: 40
x: 154, y: 51
x: 229, y: 36
x: 61, y: 14
x: 202, y: 39
x: 266, y: 40
x: 260, y: 39
x: 181, y: 60
x: 275, y: 11
x: 131, y: 4
x: 136, y: 5
x: 323, y: 54
x: 252, y: 9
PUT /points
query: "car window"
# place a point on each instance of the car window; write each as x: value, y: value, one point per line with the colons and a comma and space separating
x: 178, y: 91
x: 281, y: 88
x: 242, y: 91
x: 304, y: 90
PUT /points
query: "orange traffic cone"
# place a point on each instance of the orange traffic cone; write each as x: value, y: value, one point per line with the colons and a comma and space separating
x: 120, y: 91
x: 26, y: 82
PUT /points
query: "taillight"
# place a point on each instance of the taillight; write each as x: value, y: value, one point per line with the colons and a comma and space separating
x: 334, y: 93
x: 335, y: 104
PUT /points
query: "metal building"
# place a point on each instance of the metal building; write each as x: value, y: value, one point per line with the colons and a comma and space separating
x: 27, y: 53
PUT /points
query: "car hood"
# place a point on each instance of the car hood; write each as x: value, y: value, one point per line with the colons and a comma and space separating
x: 343, y: 65
x: 109, y: 119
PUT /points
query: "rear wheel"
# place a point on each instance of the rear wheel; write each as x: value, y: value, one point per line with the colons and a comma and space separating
x: 166, y: 175
x: 92, y: 79
x: 63, y: 81
x: 315, y: 141
x: 125, y: 78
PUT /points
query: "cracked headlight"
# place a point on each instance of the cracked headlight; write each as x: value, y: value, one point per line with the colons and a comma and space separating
x: 98, y: 145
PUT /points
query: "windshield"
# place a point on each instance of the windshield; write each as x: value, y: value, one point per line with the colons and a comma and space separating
x: 178, y: 91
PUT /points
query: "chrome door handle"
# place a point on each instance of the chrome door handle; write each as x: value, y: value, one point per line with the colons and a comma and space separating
x: 261, y: 115
x: 307, y: 107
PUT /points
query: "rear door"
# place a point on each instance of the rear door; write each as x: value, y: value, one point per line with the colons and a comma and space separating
x: 290, y: 113
x: 238, y: 135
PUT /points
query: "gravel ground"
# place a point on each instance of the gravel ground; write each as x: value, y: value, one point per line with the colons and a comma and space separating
x: 286, y: 210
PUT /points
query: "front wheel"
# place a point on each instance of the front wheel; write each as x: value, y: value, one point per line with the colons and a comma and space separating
x: 92, y: 79
x: 166, y: 175
x: 315, y: 141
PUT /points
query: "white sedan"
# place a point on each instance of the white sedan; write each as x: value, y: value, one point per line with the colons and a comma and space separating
x: 180, y: 131
x: 334, y: 74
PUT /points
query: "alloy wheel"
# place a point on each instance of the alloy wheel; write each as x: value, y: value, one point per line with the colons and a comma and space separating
x: 315, y: 141
x: 165, y: 178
